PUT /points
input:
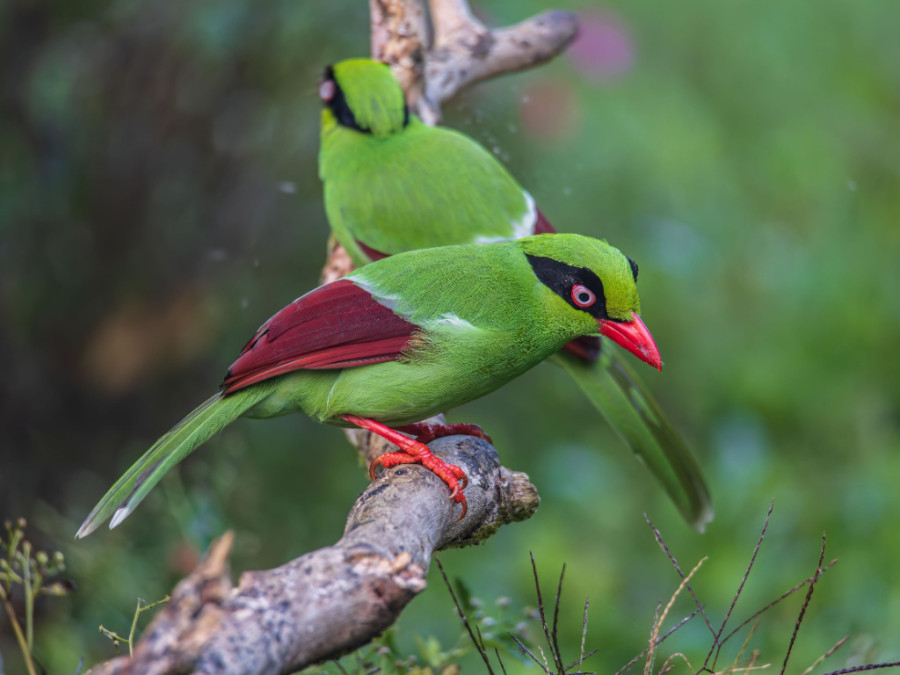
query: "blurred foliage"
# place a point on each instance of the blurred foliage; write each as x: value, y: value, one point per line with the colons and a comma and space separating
x: 26, y: 575
x: 159, y: 200
x: 130, y: 640
x: 491, y: 624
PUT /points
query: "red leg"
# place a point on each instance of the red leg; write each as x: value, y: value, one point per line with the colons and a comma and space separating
x: 425, y: 432
x: 414, y: 452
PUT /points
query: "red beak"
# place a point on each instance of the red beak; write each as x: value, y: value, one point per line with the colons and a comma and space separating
x: 633, y: 336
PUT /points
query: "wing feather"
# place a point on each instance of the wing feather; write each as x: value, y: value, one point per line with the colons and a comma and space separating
x: 338, y: 325
x: 542, y: 225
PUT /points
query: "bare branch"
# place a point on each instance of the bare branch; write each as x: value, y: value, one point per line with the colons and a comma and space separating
x: 435, y: 61
x: 472, y: 53
x: 337, y: 264
x: 338, y: 598
x: 400, y: 37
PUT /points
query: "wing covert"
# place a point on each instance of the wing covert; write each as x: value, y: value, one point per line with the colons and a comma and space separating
x: 338, y: 325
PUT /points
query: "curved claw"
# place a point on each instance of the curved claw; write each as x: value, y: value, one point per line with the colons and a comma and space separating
x: 458, y: 496
x: 375, y: 462
x: 465, y: 507
x: 415, y: 452
x: 455, y: 478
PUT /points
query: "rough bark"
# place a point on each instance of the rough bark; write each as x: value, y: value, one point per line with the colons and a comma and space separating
x: 337, y: 598
x: 435, y: 60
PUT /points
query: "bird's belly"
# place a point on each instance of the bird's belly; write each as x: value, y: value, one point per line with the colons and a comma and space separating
x: 302, y: 390
x: 401, y: 393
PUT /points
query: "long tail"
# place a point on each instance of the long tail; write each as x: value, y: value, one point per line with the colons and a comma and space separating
x: 628, y: 406
x: 207, y: 419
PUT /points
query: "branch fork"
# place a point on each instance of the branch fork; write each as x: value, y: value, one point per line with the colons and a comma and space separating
x: 435, y: 60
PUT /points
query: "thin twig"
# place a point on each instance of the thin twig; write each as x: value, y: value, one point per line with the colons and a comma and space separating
x: 717, y: 645
x: 17, y: 629
x: 806, y: 600
x: 870, y: 666
x: 554, y: 646
x: 751, y: 664
x: 781, y: 597
x: 744, y: 645
x: 637, y: 657
x: 551, y: 634
x: 465, y: 620
x: 666, y: 667
x: 838, y: 645
x: 654, y: 635
x: 527, y: 651
x: 584, y: 625
x: 540, y: 603
x: 665, y: 548
x: 499, y: 660
x: 650, y: 651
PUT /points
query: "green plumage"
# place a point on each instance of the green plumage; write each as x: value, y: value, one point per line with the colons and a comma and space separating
x: 629, y: 408
x: 207, y: 419
x: 481, y: 317
x: 411, y: 186
x: 392, y: 181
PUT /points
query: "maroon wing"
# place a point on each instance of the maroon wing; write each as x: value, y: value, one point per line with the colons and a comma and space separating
x: 370, y: 252
x: 586, y: 347
x: 542, y: 225
x: 338, y: 325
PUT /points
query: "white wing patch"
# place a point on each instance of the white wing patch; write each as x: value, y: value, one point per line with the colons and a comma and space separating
x: 446, y: 321
x: 520, y: 228
x: 331, y: 391
x: 451, y: 321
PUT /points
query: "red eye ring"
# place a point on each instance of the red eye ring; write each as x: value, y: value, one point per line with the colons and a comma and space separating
x: 583, y: 296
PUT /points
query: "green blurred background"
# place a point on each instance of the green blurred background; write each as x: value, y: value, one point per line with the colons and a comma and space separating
x: 159, y: 200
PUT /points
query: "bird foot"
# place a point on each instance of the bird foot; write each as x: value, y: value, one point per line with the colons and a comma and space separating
x: 452, y: 475
x: 413, y: 451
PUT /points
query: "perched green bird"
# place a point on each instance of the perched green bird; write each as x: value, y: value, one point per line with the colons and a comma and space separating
x: 394, y: 184
x: 406, y: 337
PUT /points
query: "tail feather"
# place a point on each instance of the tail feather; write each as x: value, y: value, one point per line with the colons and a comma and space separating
x: 200, y: 424
x: 629, y: 407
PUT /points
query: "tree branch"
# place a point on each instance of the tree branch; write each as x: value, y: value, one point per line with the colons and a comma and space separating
x: 338, y: 598
x: 435, y: 61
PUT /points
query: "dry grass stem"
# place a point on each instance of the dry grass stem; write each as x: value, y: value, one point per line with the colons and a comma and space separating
x: 654, y: 636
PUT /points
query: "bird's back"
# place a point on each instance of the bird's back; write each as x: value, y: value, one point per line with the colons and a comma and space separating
x: 418, y: 188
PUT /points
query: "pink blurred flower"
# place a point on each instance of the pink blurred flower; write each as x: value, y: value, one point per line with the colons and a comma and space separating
x: 550, y: 110
x: 603, y: 48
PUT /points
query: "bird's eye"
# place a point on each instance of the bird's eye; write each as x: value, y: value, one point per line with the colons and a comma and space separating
x: 583, y: 296
x: 327, y: 90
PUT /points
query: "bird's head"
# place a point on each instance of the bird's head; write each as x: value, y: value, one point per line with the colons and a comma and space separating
x: 364, y: 95
x: 597, y: 281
